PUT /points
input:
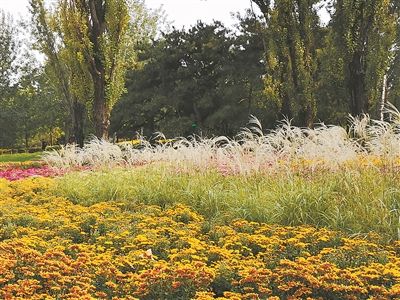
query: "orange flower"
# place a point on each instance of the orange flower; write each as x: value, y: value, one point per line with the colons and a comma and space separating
x: 176, y: 284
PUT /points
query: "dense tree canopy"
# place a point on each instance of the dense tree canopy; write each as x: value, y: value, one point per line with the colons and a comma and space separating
x: 204, y: 80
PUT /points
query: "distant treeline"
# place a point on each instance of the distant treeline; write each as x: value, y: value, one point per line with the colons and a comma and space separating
x: 208, y: 79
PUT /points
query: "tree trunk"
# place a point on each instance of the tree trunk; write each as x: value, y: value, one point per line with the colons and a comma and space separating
x: 101, y: 112
x: 286, y: 109
x: 79, y: 111
x: 197, y: 115
x: 51, y: 136
x: 383, y: 98
x: 250, y: 99
x: 307, y: 114
x: 358, y: 96
x: 97, y: 27
x: 26, y: 135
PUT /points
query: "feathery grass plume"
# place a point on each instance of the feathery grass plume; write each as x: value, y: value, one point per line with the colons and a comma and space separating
x: 251, y: 150
x: 358, y: 126
x: 95, y: 153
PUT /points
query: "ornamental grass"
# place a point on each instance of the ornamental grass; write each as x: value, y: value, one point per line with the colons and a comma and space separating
x: 356, y: 202
x: 253, y: 150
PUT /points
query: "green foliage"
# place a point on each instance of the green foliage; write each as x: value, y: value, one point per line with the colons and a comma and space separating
x: 61, y: 69
x: 290, y: 35
x: 394, y: 70
x: 204, y: 76
x: 339, y: 67
x: 364, y: 34
x: 99, y: 38
x: 332, y: 90
x: 8, y: 52
x: 8, y: 55
x: 35, y: 108
x: 27, y: 104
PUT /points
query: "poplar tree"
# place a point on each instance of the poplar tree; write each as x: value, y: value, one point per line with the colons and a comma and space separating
x: 8, y: 55
x: 393, y: 83
x: 8, y: 51
x: 90, y: 44
x: 291, y: 27
x: 61, y: 68
x: 364, y: 33
x: 96, y: 33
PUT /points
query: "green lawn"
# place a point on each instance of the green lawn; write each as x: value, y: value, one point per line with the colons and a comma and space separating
x: 20, y: 157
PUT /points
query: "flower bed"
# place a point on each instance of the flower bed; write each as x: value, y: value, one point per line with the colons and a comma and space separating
x: 54, y: 249
x: 19, y: 171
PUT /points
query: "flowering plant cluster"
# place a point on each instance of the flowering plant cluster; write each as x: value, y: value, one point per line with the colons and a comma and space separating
x: 51, y: 248
x: 16, y: 172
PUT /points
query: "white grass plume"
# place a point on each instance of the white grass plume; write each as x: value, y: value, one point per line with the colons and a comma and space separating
x: 251, y: 150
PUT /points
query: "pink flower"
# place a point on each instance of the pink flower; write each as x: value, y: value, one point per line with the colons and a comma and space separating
x: 17, y: 173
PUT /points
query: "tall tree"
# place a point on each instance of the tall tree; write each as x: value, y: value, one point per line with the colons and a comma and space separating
x: 8, y: 71
x: 89, y: 45
x: 364, y: 34
x: 62, y: 69
x: 332, y: 89
x: 8, y: 51
x: 291, y: 27
x: 393, y: 82
x: 27, y: 103
x: 98, y: 33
